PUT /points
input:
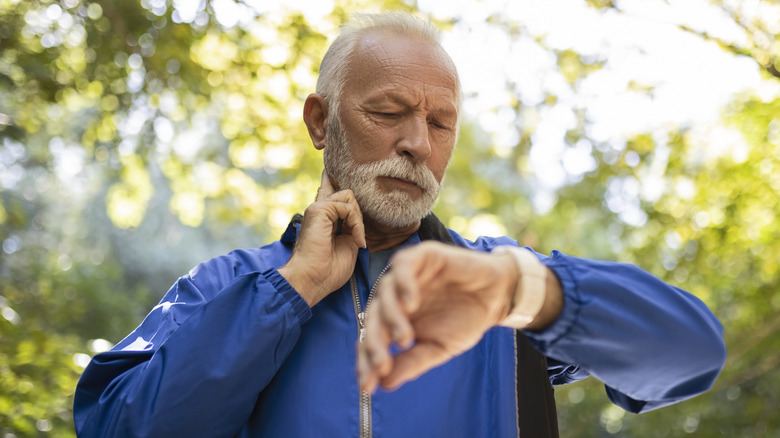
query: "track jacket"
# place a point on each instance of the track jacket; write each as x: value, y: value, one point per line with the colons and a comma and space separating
x: 233, y: 350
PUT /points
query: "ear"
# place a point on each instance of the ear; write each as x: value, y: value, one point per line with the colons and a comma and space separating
x: 315, y: 115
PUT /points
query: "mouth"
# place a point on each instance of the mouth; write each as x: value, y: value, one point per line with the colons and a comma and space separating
x: 405, y: 181
x: 402, y: 182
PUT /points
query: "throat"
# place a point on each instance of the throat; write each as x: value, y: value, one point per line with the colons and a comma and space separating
x: 381, y: 237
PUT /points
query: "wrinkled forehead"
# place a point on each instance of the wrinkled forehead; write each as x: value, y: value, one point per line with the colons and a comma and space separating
x: 380, y: 53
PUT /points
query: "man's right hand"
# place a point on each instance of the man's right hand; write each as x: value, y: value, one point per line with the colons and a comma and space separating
x: 323, y: 258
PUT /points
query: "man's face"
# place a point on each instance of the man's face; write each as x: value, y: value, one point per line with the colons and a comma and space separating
x: 393, y: 136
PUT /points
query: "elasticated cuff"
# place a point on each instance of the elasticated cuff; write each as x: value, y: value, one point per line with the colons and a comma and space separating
x: 299, y: 305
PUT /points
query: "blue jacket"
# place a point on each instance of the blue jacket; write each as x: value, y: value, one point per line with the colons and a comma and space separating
x: 233, y: 350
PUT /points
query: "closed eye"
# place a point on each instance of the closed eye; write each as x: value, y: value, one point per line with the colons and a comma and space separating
x: 438, y: 125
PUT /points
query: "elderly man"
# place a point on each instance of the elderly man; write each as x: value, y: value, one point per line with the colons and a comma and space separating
x: 462, y: 338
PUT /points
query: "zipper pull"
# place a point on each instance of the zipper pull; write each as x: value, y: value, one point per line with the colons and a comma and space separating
x: 362, y: 323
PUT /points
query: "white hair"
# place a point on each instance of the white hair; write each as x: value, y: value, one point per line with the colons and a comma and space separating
x: 336, y: 63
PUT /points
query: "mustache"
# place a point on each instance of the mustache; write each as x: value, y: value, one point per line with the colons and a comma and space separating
x: 400, y: 167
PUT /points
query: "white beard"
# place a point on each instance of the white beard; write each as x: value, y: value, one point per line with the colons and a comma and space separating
x: 396, y: 208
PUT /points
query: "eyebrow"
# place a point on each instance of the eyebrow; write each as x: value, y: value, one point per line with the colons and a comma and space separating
x: 400, y: 99
x: 445, y: 113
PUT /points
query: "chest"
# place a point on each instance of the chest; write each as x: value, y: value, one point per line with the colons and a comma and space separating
x: 315, y: 392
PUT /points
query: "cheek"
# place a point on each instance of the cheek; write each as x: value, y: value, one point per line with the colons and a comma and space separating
x: 373, y: 145
x: 366, y: 140
x: 438, y: 163
x: 368, y: 147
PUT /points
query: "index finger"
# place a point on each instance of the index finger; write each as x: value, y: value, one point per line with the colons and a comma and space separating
x: 326, y: 188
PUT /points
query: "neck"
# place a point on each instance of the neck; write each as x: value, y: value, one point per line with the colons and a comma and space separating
x: 380, y: 237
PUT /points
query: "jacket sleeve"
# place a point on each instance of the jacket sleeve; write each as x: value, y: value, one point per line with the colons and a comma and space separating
x: 652, y: 344
x: 198, y: 362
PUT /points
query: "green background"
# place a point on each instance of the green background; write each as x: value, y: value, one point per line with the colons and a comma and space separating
x: 135, y: 142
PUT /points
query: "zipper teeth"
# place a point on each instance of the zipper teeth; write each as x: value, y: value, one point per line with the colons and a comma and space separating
x: 365, y: 405
x: 373, y: 288
x: 356, y: 297
x: 365, y: 397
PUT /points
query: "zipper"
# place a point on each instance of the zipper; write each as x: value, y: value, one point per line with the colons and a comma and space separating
x: 360, y: 316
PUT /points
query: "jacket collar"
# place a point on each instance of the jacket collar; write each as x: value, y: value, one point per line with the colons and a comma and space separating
x: 431, y: 228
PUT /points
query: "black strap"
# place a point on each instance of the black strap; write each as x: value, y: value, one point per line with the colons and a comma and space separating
x: 537, y: 414
x: 535, y: 397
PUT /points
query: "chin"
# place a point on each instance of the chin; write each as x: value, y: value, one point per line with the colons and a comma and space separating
x: 394, y: 210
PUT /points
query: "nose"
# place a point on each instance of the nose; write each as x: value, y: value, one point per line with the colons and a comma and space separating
x: 414, y: 142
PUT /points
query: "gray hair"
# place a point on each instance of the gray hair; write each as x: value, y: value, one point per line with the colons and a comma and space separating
x: 336, y: 62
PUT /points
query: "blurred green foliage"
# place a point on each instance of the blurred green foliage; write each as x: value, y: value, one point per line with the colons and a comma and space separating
x: 140, y: 137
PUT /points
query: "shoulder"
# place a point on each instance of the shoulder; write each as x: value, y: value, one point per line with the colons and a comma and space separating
x: 223, y: 269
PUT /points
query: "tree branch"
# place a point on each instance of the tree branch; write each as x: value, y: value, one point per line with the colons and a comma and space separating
x: 769, y: 66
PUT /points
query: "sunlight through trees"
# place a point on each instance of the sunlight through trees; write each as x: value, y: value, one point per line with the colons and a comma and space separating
x: 139, y: 137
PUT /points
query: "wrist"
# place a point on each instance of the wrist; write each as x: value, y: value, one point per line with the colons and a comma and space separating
x: 302, y: 284
x: 529, y: 294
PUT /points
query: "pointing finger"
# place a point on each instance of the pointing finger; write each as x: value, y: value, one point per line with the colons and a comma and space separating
x: 367, y: 376
x: 407, y: 280
x: 388, y: 309
x: 326, y: 187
